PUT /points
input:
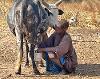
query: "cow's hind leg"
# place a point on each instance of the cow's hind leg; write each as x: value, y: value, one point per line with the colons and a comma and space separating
x: 27, y: 51
x: 19, y: 37
x: 31, y: 49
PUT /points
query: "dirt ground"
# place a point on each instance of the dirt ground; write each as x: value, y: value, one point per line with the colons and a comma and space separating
x: 86, y: 41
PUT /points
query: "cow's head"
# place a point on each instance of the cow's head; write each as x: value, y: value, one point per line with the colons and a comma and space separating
x: 53, y: 8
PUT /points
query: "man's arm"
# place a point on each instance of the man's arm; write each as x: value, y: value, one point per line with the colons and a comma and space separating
x: 49, y: 49
x: 61, y: 49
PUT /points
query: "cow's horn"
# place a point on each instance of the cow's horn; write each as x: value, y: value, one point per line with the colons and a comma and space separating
x: 58, y: 2
x: 45, y: 4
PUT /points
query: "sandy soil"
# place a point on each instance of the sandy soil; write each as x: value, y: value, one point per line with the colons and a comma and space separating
x: 86, y: 40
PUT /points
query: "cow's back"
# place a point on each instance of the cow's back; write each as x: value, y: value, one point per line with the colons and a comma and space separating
x: 21, y: 9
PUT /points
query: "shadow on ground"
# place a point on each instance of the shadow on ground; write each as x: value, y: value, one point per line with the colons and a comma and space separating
x: 88, y: 70
x: 83, y: 70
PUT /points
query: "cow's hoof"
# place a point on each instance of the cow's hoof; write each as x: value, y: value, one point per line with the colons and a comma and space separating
x: 18, y: 73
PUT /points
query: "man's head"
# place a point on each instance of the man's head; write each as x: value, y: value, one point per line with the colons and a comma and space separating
x: 62, y: 26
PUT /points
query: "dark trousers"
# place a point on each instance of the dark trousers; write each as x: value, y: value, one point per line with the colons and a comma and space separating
x: 51, y: 66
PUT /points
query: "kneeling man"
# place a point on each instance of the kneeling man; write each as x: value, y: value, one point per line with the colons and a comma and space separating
x: 58, y: 51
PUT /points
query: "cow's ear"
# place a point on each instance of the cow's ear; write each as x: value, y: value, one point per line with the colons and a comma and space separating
x: 48, y: 12
x: 60, y: 12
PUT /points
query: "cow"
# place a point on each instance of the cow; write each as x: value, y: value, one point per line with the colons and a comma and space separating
x: 26, y: 19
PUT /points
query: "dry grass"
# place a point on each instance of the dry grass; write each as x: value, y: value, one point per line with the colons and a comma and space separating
x: 86, y: 40
x: 94, y: 7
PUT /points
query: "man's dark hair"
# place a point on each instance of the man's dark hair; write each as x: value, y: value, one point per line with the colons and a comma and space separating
x: 64, y: 24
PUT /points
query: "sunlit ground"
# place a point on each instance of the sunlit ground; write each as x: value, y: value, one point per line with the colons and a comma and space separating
x: 86, y: 40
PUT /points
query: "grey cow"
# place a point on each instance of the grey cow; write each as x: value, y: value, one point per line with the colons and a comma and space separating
x: 26, y: 19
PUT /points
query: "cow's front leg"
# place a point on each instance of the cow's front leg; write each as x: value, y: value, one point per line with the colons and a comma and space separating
x: 19, y: 37
x: 31, y: 49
